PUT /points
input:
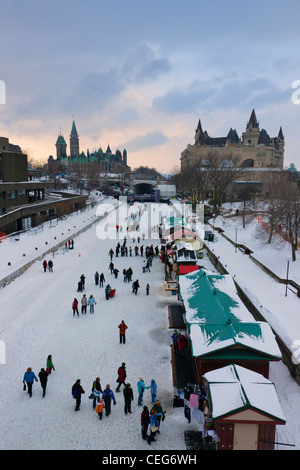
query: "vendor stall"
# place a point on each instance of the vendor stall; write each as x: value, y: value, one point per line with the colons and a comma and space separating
x: 221, y: 330
x: 244, y: 407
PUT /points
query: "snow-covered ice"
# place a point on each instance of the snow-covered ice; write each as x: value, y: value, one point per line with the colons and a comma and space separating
x: 36, y: 320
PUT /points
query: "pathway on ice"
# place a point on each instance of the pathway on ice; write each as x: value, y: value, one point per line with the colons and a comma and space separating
x: 37, y: 320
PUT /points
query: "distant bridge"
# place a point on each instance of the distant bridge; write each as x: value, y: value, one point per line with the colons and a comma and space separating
x: 142, y: 186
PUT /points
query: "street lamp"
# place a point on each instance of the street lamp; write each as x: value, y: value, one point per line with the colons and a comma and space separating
x: 287, y: 276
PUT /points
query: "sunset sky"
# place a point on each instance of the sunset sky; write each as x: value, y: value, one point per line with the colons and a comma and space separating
x: 139, y: 74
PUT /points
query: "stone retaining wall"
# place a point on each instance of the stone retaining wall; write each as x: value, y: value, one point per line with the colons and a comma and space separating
x: 287, y: 354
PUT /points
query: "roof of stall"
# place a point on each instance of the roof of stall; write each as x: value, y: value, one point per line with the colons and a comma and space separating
x: 219, y: 324
x: 211, y: 297
x: 243, y: 389
x: 251, y: 341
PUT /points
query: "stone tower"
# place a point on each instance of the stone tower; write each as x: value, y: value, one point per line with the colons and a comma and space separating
x: 252, y: 134
x: 280, y: 141
x: 74, y: 141
x: 61, y: 148
x: 125, y: 157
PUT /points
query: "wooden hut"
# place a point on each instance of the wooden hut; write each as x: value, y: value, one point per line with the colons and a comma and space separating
x: 220, y: 328
x: 244, y: 408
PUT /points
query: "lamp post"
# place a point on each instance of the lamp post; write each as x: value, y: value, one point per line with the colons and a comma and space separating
x: 287, y: 276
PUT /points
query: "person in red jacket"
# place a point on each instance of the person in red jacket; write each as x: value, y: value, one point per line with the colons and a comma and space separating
x: 145, y: 421
x: 122, y: 327
x: 121, y: 376
x: 181, y: 344
x: 45, y: 264
x: 75, y: 307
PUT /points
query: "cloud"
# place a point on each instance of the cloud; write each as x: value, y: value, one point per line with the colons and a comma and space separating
x: 142, y: 65
x: 257, y: 92
x: 184, y: 99
x: 152, y: 139
x: 93, y: 93
x: 217, y: 95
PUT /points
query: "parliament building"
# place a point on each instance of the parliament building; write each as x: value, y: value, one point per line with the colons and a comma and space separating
x: 106, y: 160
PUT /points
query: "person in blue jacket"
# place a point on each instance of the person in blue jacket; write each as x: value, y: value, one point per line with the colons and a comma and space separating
x: 153, y: 389
x: 107, y: 396
x: 154, y: 425
x: 175, y: 341
x: 28, y: 379
x: 141, y: 388
x: 91, y: 303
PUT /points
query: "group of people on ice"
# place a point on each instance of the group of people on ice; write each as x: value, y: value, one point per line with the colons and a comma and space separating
x: 179, y: 343
x: 103, y: 399
x: 29, y: 377
x: 85, y: 302
x: 48, y: 265
x: 99, y: 279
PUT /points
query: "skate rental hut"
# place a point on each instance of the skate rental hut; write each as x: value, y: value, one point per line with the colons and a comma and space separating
x: 243, y: 407
x: 221, y: 330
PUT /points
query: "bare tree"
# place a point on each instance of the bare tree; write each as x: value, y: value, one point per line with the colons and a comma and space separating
x: 283, y: 208
x: 192, y: 181
x: 221, y: 170
x: 291, y: 215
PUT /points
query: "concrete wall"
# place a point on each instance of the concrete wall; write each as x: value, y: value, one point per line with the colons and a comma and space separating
x: 14, y: 166
x: 287, y: 354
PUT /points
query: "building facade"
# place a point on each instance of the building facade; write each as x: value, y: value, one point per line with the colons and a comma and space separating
x: 24, y: 201
x: 254, y: 149
x: 16, y: 189
x: 106, y: 160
